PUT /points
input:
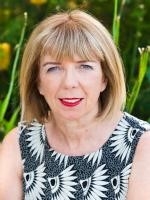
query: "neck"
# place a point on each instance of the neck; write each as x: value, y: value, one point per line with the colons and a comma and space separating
x: 78, y: 135
x: 74, y: 129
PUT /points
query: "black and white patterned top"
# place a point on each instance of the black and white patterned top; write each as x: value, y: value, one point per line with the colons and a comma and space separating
x: 101, y: 175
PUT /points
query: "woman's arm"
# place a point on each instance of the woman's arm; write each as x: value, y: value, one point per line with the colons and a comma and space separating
x: 139, y: 183
x: 10, y: 168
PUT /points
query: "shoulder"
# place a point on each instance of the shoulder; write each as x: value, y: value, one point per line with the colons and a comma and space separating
x: 140, y: 174
x: 10, y: 146
x: 10, y: 167
x: 10, y: 151
x: 143, y: 148
x: 10, y: 154
x: 143, y: 145
x: 11, y: 139
x: 136, y: 122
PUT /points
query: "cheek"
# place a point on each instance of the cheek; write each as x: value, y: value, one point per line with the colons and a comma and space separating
x: 98, y: 83
x: 48, y: 87
x: 43, y: 87
x: 46, y: 90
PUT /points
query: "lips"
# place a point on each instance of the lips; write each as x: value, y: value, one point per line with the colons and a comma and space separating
x: 70, y: 102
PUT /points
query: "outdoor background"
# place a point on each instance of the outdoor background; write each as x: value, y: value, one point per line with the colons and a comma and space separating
x: 127, y: 20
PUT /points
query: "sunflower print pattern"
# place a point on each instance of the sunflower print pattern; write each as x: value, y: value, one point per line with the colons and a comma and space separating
x: 100, y: 175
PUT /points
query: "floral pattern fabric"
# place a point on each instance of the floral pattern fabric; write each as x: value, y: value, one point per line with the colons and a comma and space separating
x: 100, y: 175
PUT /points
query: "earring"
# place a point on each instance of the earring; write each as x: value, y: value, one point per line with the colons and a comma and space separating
x: 40, y: 93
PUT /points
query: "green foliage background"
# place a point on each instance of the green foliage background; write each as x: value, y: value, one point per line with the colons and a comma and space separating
x: 133, y: 29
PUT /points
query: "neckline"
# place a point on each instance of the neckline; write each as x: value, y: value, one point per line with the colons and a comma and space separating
x: 84, y: 155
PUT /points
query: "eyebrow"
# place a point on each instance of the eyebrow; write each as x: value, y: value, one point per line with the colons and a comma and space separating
x: 83, y: 61
x: 51, y: 63
x: 58, y: 63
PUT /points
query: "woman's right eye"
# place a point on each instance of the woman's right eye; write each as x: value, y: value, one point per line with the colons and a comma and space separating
x: 53, y: 68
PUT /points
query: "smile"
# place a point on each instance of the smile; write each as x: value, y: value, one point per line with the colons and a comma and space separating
x: 70, y: 102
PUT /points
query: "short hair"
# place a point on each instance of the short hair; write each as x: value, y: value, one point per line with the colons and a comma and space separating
x: 67, y: 34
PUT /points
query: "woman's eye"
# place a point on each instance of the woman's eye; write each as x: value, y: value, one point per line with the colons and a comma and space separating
x: 86, y: 67
x: 53, y: 69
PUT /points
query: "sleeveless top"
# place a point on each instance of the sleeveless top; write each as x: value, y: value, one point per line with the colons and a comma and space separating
x: 100, y: 175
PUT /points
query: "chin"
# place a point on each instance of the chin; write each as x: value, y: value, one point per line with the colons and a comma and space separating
x: 71, y: 116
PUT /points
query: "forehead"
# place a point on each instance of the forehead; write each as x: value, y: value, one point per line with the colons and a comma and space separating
x: 49, y: 58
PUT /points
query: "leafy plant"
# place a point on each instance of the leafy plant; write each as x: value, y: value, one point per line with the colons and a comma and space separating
x: 6, y: 125
x: 144, y: 57
x: 116, y: 20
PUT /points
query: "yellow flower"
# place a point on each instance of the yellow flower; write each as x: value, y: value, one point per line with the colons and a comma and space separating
x: 5, y: 49
x: 38, y: 2
x: 72, y: 4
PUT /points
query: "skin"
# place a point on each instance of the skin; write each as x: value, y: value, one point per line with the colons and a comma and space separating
x: 73, y: 130
x: 139, y: 182
x: 10, y: 168
x: 71, y: 79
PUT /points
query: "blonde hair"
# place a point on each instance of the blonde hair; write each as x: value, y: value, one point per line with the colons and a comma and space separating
x: 68, y: 34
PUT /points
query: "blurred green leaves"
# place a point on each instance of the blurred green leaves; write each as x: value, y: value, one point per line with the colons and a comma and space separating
x: 6, y: 125
x: 143, y: 65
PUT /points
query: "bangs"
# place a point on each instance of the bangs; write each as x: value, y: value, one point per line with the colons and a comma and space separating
x: 69, y: 40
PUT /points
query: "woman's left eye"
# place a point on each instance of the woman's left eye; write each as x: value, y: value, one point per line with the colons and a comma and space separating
x: 86, y: 67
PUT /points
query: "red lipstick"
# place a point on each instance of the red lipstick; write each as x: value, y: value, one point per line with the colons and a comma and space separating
x: 70, y: 102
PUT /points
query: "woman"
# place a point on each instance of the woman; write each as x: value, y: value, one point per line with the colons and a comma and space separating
x: 74, y: 141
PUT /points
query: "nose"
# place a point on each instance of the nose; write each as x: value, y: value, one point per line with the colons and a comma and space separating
x: 70, y: 79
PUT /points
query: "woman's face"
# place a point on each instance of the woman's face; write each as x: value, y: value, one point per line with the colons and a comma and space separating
x: 71, y: 87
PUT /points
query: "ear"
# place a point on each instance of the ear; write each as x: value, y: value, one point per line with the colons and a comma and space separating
x: 104, y: 83
x: 40, y: 92
x: 39, y: 88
